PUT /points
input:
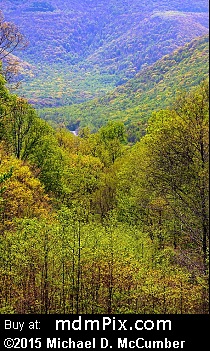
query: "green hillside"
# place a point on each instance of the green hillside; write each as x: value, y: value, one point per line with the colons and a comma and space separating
x: 153, y: 88
x: 82, y: 50
x: 94, y: 225
x: 111, y: 214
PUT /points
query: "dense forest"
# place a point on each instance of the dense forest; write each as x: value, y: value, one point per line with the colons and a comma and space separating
x: 91, y: 224
x: 155, y: 87
x: 107, y: 221
x: 83, y: 49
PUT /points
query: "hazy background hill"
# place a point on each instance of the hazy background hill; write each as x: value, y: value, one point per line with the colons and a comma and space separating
x: 154, y: 88
x: 83, y: 49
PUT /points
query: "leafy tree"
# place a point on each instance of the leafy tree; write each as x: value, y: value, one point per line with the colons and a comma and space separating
x: 23, y: 195
x: 4, y: 97
x: 178, y: 168
x: 90, y: 224
x: 111, y: 137
x: 22, y: 128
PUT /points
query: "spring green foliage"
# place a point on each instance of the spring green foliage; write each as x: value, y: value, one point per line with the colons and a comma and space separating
x: 91, y: 224
x: 152, y: 89
x: 83, y: 49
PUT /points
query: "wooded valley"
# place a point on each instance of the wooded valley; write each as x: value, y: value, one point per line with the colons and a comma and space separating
x: 91, y: 224
x: 80, y: 50
x: 114, y: 219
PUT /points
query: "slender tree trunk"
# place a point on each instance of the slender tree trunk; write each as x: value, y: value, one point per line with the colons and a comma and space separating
x: 78, y: 270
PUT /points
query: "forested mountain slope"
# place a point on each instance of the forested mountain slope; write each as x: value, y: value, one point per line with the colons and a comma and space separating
x: 79, y: 50
x: 101, y: 223
x: 92, y: 224
x: 155, y: 87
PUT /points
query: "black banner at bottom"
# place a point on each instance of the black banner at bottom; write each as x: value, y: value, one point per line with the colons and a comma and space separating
x: 104, y: 332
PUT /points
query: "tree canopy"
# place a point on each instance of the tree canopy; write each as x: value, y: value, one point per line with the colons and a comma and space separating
x: 92, y: 224
x: 99, y: 222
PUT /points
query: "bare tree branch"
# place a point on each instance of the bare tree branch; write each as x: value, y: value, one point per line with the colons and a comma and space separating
x: 10, y: 38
